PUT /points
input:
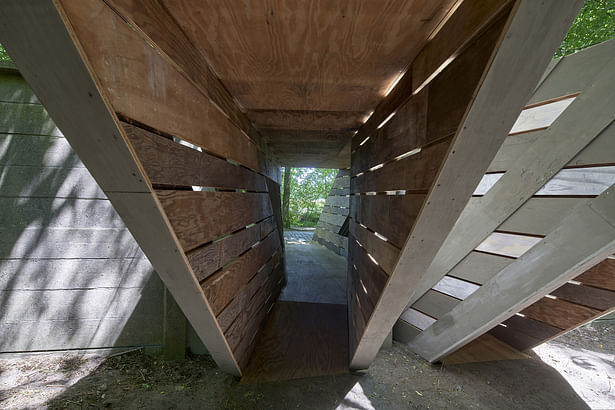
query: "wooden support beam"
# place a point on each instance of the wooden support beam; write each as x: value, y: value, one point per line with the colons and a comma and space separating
x: 40, y: 41
x: 559, y: 144
x: 585, y: 238
x: 534, y: 29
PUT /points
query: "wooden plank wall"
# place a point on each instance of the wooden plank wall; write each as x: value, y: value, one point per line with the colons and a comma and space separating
x: 334, y: 214
x: 71, y: 274
x: 207, y: 172
x: 398, y: 152
x: 586, y: 297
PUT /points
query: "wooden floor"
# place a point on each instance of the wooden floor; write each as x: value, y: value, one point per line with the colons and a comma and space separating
x: 300, y: 340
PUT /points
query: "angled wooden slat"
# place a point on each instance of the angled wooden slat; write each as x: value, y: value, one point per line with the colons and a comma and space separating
x: 413, y: 173
x: 266, y: 293
x: 559, y: 313
x: 541, y: 116
x: 211, y: 257
x: 403, y: 331
x: 560, y: 143
x: 390, y: 215
x: 600, y: 276
x: 479, y: 267
x: 483, y: 129
x: 222, y: 287
x: 597, y: 152
x: 531, y: 327
x: 507, y: 244
x: 144, y: 86
x: 435, y: 304
x: 417, y: 319
x: 200, y: 217
x: 564, y: 79
x: 153, y: 19
x: 36, y: 35
x: 232, y: 311
x: 595, y: 298
x: 567, y: 182
x: 170, y: 163
x: 585, y: 237
x: 467, y: 21
x: 383, y: 251
x: 454, y: 287
x: 539, y: 216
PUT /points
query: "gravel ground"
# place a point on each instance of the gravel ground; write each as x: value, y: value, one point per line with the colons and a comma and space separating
x: 574, y: 373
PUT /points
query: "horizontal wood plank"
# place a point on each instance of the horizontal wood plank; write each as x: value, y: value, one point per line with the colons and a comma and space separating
x: 601, y: 276
x: 208, y: 259
x: 221, y: 288
x: 200, y: 217
x: 479, y: 267
x: 435, y: 304
x: 413, y: 173
x: 390, y: 215
x: 559, y: 313
x: 384, y: 252
x: 170, y: 163
x: 142, y: 85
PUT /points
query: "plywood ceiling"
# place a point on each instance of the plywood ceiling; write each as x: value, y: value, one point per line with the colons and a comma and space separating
x: 308, y: 73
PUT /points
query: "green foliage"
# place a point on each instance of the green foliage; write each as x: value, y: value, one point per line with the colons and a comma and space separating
x: 309, y: 188
x: 594, y: 24
x: 3, y: 54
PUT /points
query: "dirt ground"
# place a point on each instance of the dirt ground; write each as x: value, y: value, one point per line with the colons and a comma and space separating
x: 398, y: 379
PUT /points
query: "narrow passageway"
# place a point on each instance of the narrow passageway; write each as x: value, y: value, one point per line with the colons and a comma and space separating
x: 306, y: 334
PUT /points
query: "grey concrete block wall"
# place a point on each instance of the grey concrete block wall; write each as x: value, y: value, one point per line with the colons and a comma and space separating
x: 334, y: 214
x: 71, y: 274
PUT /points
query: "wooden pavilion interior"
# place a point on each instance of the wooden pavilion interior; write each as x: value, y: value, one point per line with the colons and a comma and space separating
x: 481, y: 169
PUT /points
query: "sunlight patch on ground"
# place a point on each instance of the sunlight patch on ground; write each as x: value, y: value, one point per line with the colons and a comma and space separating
x: 591, y: 374
x: 36, y: 381
x: 356, y: 399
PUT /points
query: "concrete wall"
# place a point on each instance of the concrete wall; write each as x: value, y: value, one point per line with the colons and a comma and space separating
x: 71, y: 274
x: 333, y: 215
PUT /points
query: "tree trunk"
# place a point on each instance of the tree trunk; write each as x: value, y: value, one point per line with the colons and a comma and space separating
x: 286, y: 198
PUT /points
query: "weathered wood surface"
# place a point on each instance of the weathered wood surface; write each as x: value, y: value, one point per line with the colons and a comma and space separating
x: 584, y: 238
x: 454, y: 287
x: 540, y: 117
x: 414, y: 173
x: 479, y: 267
x: 417, y: 319
x: 507, y: 244
x: 200, y: 217
x: 483, y: 128
x: 170, y: 163
x: 486, y: 348
x: 559, y: 313
x: 265, y: 294
x: 435, y: 304
x: 208, y: 259
x: 466, y: 22
x: 589, y: 181
x: 589, y: 296
x: 222, y: 287
x: 36, y: 35
x: 546, y: 157
x: 539, y: 216
x: 263, y: 277
x: 600, y: 276
x: 383, y: 251
x: 142, y: 85
x: 300, y: 340
x: 153, y: 20
x: 533, y: 328
x: 390, y: 215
